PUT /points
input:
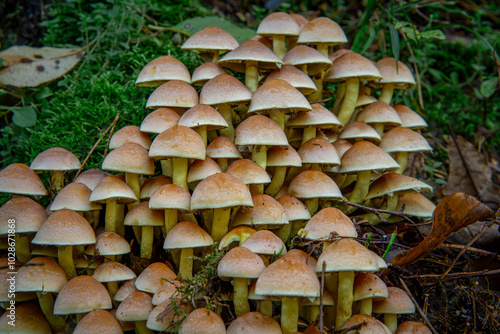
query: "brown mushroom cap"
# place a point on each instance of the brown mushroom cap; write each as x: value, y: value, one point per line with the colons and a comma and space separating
x: 322, y: 30
x: 265, y: 242
x: 161, y: 70
x: 202, y: 321
x: 223, y: 147
x: 74, y: 196
x: 319, y: 151
x: 278, y: 23
x: 98, y: 321
x: 152, y: 184
x: 28, y: 319
x: 347, y: 254
x: 409, y: 118
x: 240, y: 262
x: 113, y: 188
x: 327, y: 221
x: 224, y: 88
x: 278, y: 156
x: 413, y: 327
x: 319, y: 116
x: 28, y: 215
x: 303, y: 55
x: 153, y: 277
x: 110, y: 243
x: 160, y: 120
x: 372, y: 325
x: 201, y: 169
x: 314, y: 184
x: 360, y: 130
x: 379, y: 112
x: 295, y: 77
x: 220, y: 191
x: 402, y: 78
x: 203, y: 115
x: 206, y: 72
x: 91, y: 177
x: 294, y: 208
x: 55, y: 159
x: 170, y: 196
x: 366, y: 156
x: 187, y: 234
x: 19, y: 179
x: 40, y: 274
x: 248, y: 171
x: 259, y: 130
x: 142, y: 215
x: 111, y: 271
x: 250, y: 51
x: 129, y: 134
x: 398, y: 302
x: 210, y: 38
x: 352, y: 65
x: 390, y: 183
x: 175, y: 93
x: 369, y: 285
x: 179, y: 142
x: 266, y: 211
x: 136, y: 307
x: 402, y: 139
x: 416, y: 205
x: 80, y: 295
x: 254, y: 322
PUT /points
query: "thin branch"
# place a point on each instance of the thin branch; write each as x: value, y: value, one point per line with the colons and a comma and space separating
x: 422, y: 314
x: 494, y: 54
x: 485, y: 272
x: 380, y: 211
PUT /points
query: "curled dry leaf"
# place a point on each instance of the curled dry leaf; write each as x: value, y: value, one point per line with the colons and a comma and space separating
x: 453, y: 213
x: 24, y: 66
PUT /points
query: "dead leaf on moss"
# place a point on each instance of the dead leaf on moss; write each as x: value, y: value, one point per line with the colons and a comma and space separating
x: 25, y: 66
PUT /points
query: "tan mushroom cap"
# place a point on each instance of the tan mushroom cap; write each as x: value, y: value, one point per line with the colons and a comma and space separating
x: 203, y: 115
x: 166, y: 291
x: 259, y: 130
x: 402, y: 139
x: 379, y: 112
x: 175, y: 93
x: 110, y: 243
x: 329, y: 221
x: 250, y: 51
x: 187, y: 234
x: 111, y: 271
x: 65, y: 227
x: 125, y: 290
x: 28, y: 319
x: 390, y: 183
x: 402, y: 78
x: 301, y: 21
x: 364, y: 99
x: 319, y: 151
x: 74, y: 196
x: 224, y: 88
x: 288, y: 276
x: 160, y: 70
x: 6, y: 273
x: 178, y: 142
x: 264, y: 40
x: 112, y: 188
x: 295, y: 77
x: 170, y: 196
x: 248, y: 171
x: 278, y: 156
x: 240, y: 262
x: 136, y: 307
x: 98, y: 321
x: 19, y: 179
x: 413, y: 327
x: 342, y: 146
x: 319, y: 116
x: 327, y: 300
x: 352, y: 65
x: 224, y: 148
x: 278, y: 94
x: 337, y: 53
x: 347, y: 254
x: 313, y: 184
x: 294, y: 208
x: 265, y: 242
x: 302, y: 256
x: 91, y: 177
x: 322, y: 30
x: 369, y: 285
x: 303, y: 55
x: 398, y: 302
x: 55, y: 159
x: 80, y: 295
x: 163, y: 316
x: 206, y: 72
x: 409, y: 118
x: 40, y: 274
x: 220, y: 191
x: 160, y: 120
x: 278, y: 23
x: 129, y: 134
x: 416, y: 205
x: 266, y: 211
x: 254, y: 323
x: 366, y: 156
x: 360, y: 130
x: 202, y: 321
x: 28, y: 215
x: 201, y: 169
x: 152, y: 184
x: 142, y: 215
x: 210, y: 38
x: 153, y: 277
x: 372, y: 325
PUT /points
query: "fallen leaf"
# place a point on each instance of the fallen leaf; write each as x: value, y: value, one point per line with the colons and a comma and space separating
x: 25, y: 66
x: 453, y: 213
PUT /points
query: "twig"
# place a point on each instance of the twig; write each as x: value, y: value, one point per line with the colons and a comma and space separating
x: 110, y: 135
x: 494, y: 54
x: 352, y: 328
x: 417, y: 75
x: 471, y: 249
x: 379, y: 211
x: 97, y: 143
x: 321, y: 315
x: 422, y: 314
x: 485, y: 272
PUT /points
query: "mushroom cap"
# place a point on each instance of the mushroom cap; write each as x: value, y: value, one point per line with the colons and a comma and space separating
x: 129, y: 134
x: 91, y: 177
x: 240, y: 262
x: 301, y: 21
x: 342, y: 146
x: 398, y: 302
x: 178, y: 142
x: 142, y: 215
x: 159, y: 120
x: 294, y: 208
x: 29, y: 319
x: 220, y: 191
x: 136, y: 307
x: 223, y: 147
x: 63, y: 228
x: 82, y: 294
x: 278, y: 156
x: 161, y: 70
x: 224, y: 88
x: 170, y: 196
x: 372, y: 325
x: 416, y: 205
x: 369, y: 285
x: 254, y: 323
x: 322, y: 30
x: 409, y: 118
x: 248, y: 171
x: 110, y: 243
x: 327, y: 221
x: 201, y: 169
x: 347, y: 254
x: 314, y: 184
x: 28, y: 215
x: 366, y: 156
x: 203, y: 115
x: 401, y: 77
x: 302, y: 256
x: 319, y: 151
x: 187, y: 234
x: 390, y: 183
x: 319, y: 116
x: 288, y: 276
x: 266, y: 211
x: 360, y: 130
x: 413, y: 327
x: 352, y: 65
x: 112, y: 271
x: 55, y: 159
x: 236, y: 234
x: 250, y: 51
x: 303, y: 55
x: 112, y: 188
x: 295, y: 77
x: 205, y: 72
x: 163, y: 316
x: 364, y: 99
x: 125, y: 290
x: 153, y: 277
x: 166, y: 291
x: 210, y: 38
x: 173, y: 93
x: 265, y: 242
x: 202, y: 321
x: 98, y: 321
x: 19, y: 179
x: 379, y: 112
x: 152, y: 184
x: 278, y: 24
x: 401, y: 139
x: 40, y: 274
x: 259, y: 130
x: 129, y: 158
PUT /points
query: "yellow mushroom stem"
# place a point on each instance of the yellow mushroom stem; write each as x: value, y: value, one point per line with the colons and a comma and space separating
x: 265, y: 307
x: 251, y: 76
x: 338, y: 98
x: 220, y: 223
x: 339, y: 179
x: 361, y: 188
x: 259, y: 155
x: 391, y: 321
x: 312, y: 205
x: 344, y: 297
x: 225, y: 111
x: 308, y: 134
x: 140, y: 328
x: 170, y: 220
x: 215, y: 56
x: 296, y: 226
x: 111, y: 216
x: 147, y: 242
x: 391, y: 204
x: 112, y: 288
x: 379, y: 127
x: 208, y: 217
x: 180, y: 171
x: 202, y: 131
x: 223, y: 163
x: 349, y: 101
x: 132, y: 180
x: 284, y: 232
x: 22, y: 246
x: 65, y: 258
x: 386, y: 94
x: 318, y: 81
x: 402, y: 159
x: 314, y: 313
x: 95, y: 218
x: 279, y: 45
x: 365, y: 306
x: 289, y: 314
x: 278, y: 115
x: 240, y: 299
x: 57, y: 180
x: 277, y: 181
x: 186, y: 264
x: 166, y: 167
x: 256, y: 188
x: 323, y: 48
x: 46, y: 301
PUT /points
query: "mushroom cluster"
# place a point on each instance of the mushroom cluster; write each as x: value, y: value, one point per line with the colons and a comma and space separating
x: 231, y: 167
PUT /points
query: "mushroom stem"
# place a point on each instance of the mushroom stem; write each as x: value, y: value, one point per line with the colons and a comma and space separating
x: 256, y: 188
x: 345, y: 297
x: 220, y: 223
x: 277, y: 181
x: 391, y: 321
x: 180, y: 171
x: 132, y: 180
x: 240, y: 299
x: 360, y: 190
x: 386, y: 94
x: 402, y: 160
x: 57, y: 178
x: 278, y: 115
x: 225, y: 111
x: 259, y: 155
x: 279, y: 46
x: 266, y: 307
x: 251, y: 76
x: 365, y: 306
x: 112, y: 288
x: 323, y: 48
x: 95, y: 217
x: 65, y: 257
x: 349, y: 101
x: 215, y: 56
x: 170, y: 220
x: 309, y: 133
x: 46, y: 301
x: 312, y: 205
x: 338, y: 98
x: 379, y: 127
x: 223, y: 163
x: 186, y: 264
x: 313, y: 313
x: 202, y: 131
x: 22, y: 244
x: 111, y: 213
x: 140, y: 328
x: 147, y: 242
x: 166, y: 167
x: 284, y: 232
x: 289, y: 314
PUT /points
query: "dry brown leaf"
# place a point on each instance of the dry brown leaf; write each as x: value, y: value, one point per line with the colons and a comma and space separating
x: 24, y: 66
x: 453, y: 213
